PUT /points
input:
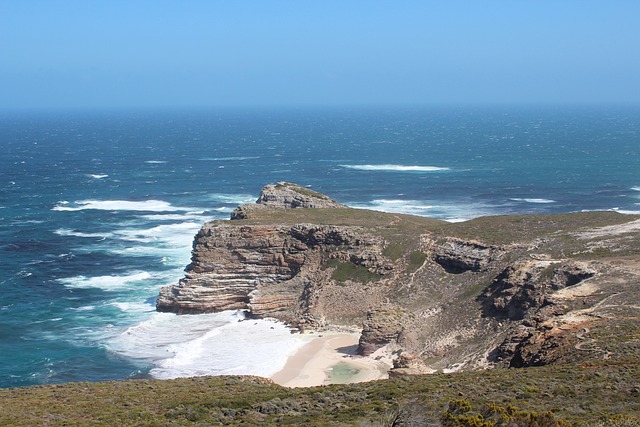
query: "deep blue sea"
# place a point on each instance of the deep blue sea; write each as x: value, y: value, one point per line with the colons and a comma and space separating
x: 98, y: 211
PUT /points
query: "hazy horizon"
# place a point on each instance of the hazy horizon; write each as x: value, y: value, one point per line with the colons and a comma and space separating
x: 161, y: 54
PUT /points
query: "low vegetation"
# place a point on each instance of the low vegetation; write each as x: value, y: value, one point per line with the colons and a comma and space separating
x: 606, y: 394
x: 302, y: 190
x: 595, y: 381
x: 344, y: 271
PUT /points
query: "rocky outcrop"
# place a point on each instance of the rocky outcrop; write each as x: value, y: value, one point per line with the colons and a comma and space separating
x: 457, y: 255
x: 445, y: 302
x: 289, y: 195
x: 286, y: 195
x: 409, y: 364
x: 382, y: 326
x: 271, y: 271
x: 526, y: 285
x: 227, y: 264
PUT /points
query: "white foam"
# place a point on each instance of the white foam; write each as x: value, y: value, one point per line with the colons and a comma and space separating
x: 133, y: 307
x: 171, y: 217
x: 74, y: 233
x: 175, y: 235
x: 396, y: 168
x: 107, y: 283
x: 528, y: 200
x: 224, y: 159
x: 234, y: 199
x: 84, y: 308
x: 431, y: 208
x: 119, y: 205
x: 170, y: 243
x: 155, y: 162
x: 208, y: 344
x: 635, y: 188
x: 627, y: 212
x: 97, y: 176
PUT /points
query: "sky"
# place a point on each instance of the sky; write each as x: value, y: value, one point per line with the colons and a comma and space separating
x: 193, y: 53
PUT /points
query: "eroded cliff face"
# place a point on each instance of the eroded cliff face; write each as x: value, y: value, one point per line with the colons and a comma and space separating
x: 277, y: 271
x: 439, y: 294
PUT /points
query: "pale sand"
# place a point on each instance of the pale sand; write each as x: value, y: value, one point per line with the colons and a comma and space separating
x: 312, y: 364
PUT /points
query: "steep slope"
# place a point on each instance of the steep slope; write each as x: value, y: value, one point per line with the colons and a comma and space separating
x: 495, y: 291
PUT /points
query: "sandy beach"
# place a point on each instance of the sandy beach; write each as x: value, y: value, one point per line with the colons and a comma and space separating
x: 330, y: 359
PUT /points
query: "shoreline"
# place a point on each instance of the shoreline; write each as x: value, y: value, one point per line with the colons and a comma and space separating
x: 330, y: 359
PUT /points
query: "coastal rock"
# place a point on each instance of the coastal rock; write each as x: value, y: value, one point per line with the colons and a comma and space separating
x: 382, y: 326
x: 525, y: 285
x: 457, y: 255
x: 453, y: 303
x: 227, y: 264
x: 272, y: 271
x: 286, y: 195
x: 290, y: 196
x: 409, y: 364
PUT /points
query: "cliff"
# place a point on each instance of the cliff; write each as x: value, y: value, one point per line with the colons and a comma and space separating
x: 495, y: 291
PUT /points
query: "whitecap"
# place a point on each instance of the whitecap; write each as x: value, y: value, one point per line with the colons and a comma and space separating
x: 84, y: 308
x: 626, y: 211
x: 232, y: 199
x: 432, y: 209
x: 176, y: 235
x: 155, y: 162
x: 75, y: 233
x: 135, y: 307
x: 224, y: 159
x: 97, y: 176
x: 529, y: 200
x: 635, y: 188
x: 173, y: 217
x: 208, y: 344
x: 117, y: 205
x: 171, y: 243
x: 396, y: 168
x: 107, y: 283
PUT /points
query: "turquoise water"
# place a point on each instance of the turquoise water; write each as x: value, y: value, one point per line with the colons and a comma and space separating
x: 342, y: 373
x: 98, y: 211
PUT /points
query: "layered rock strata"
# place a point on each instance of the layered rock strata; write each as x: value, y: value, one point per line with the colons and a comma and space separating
x: 273, y: 270
x: 444, y: 296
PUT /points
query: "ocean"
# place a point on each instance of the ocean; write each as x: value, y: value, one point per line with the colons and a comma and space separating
x: 98, y: 211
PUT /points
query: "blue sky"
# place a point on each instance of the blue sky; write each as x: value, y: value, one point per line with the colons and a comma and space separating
x: 154, y: 53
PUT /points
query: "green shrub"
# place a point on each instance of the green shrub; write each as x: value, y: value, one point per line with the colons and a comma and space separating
x: 416, y: 259
x: 348, y: 271
x: 460, y: 414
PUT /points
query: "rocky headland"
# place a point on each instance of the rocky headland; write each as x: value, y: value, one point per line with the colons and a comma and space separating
x: 558, y: 292
x: 512, y: 291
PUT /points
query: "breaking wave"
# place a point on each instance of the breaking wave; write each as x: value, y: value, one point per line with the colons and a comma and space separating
x: 119, y: 205
x: 208, y: 344
x: 527, y: 200
x: 396, y: 168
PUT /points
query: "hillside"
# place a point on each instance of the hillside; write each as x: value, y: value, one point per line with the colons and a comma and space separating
x: 495, y: 291
x: 534, y: 312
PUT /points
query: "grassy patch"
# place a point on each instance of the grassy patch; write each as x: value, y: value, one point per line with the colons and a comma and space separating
x: 345, y: 271
x: 393, y: 251
x: 515, y: 228
x: 416, y: 259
